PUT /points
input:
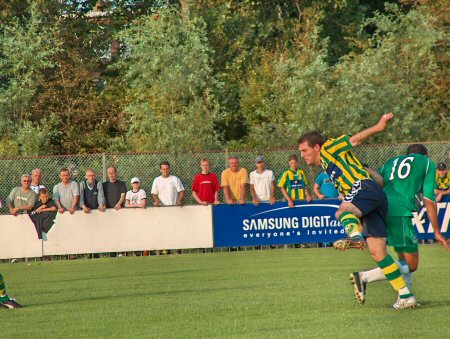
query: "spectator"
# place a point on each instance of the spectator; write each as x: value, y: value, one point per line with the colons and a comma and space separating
x: 36, y: 177
x: 114, y: 190
x: 442, y: 181
x: 205, y: 187
x: 293, y: 183
x: 234, y: 182
x: 324, y: 187
x: 66, y: 193
x: 21, y: 199
x: 167, y: 189
x: 136, y: 197
x: 91, y: 193
x: 43, y: 213
x: 262, y: 186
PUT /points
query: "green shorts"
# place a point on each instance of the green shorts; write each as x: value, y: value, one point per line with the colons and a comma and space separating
x: 402, y: 234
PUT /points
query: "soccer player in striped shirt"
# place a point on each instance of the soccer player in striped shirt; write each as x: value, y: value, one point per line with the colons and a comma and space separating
x: 293, y: 183
x: 363, y: 198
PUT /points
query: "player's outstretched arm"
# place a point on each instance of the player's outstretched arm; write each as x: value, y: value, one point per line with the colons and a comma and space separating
x: 380, y: 126
x: 432, y: 215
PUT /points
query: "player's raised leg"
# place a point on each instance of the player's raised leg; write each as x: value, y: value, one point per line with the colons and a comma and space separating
x: 348, y: 214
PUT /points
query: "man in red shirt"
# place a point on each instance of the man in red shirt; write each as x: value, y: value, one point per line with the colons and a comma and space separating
x: 205, y: 188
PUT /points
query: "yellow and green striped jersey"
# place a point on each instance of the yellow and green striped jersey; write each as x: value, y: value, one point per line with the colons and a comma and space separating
x: 341, y: 164
x: 443, y: 183
x: 294, y: 183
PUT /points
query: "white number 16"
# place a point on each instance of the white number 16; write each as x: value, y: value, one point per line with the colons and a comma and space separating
x: 403, y: 169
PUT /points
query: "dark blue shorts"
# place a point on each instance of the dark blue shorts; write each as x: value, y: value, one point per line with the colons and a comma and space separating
x: 372, y: 202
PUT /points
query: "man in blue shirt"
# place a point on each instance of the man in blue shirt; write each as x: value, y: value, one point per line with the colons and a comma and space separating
x: 324, y: 187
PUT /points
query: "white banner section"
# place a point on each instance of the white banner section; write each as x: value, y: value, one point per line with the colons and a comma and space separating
x: 18, y: 237
x: 110, y: 231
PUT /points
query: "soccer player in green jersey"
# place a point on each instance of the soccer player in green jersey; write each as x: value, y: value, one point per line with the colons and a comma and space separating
x: 402, y: 178
x: 5, y: 300
x: 363, y: 198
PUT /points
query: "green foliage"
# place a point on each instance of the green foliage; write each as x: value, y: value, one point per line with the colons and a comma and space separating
x: 33, y: 139
x: 26, y: 50
x: 167, y: 66
x: 193, y: 75
x: 286, y: 96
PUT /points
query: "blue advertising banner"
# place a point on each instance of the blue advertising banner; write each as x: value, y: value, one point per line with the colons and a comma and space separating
x: 249, y: 225
x: 423, y: 225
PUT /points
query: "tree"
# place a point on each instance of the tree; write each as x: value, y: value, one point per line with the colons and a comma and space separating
x: 167, y: 64
x: 26, y: 51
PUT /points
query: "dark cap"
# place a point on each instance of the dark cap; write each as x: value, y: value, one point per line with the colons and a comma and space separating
x: 259, y: 158
x: 441, y: 166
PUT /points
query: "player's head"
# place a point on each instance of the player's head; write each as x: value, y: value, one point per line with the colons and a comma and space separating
x: 309, y: 145
x: 293, y: 162
x: 442, y: 169
x: 417, y: 149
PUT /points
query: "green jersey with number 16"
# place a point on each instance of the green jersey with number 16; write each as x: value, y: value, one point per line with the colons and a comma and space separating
x: 405, y: 176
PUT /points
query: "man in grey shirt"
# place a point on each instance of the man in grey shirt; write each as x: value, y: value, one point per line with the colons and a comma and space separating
x: 66, y: 194
x: 91, y: 193
x: 21, y: 199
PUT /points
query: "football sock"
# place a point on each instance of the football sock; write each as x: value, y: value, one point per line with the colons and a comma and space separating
x: 393, y: 275
x: 377, y: 274
x: 3, y: 295
x: 351, y: 224
x: 407, y: 274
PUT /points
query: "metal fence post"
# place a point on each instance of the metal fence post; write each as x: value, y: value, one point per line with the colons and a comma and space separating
x: 104, y: 166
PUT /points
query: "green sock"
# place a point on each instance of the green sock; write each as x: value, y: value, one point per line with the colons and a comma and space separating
x: 3, y: 295
x: 351, y: 224
x: 393, y: 275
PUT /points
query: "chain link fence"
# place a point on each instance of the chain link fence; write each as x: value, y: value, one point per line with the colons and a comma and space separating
x: 184, y: 165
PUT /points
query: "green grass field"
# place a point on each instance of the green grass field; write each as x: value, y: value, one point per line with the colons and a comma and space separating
x: 271, y: 294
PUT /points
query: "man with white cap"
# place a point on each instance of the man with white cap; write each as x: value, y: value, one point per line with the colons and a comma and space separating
x: 136, y: 197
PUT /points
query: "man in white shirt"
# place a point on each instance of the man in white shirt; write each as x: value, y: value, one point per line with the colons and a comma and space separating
x: 167, y: 190
x: 262, y: 187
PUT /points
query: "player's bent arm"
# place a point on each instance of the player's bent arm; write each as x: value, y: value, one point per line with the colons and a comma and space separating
x: 381, y: 125
x: 376, y: 177
x: 286, y: 195
x: 432, y: 215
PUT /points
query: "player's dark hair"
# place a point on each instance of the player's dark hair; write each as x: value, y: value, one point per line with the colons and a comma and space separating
x: 313, y: 138
x: 164, y: 163
x: 417, y: 149
x: 293, y: 157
